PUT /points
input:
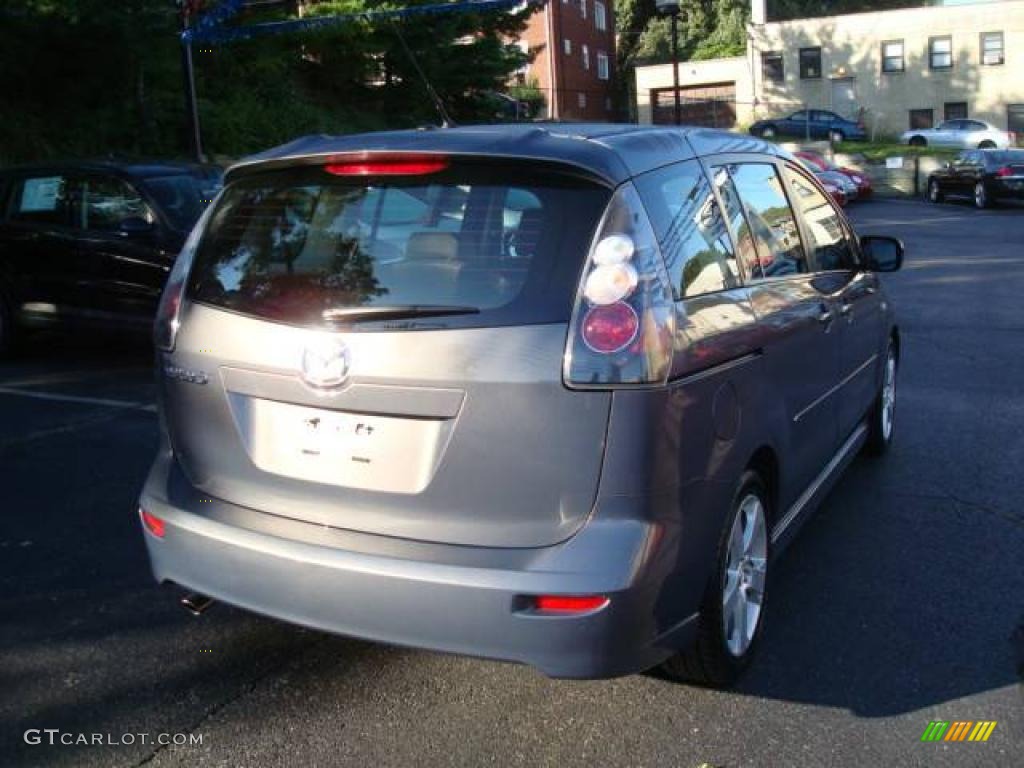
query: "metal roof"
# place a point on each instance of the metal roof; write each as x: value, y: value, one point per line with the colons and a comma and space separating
x: 612, y: 152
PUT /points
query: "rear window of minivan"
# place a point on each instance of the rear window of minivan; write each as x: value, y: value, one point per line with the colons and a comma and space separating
x: 504, y: 242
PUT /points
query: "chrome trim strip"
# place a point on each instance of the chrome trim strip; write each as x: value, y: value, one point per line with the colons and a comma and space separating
x: 836, y: 388
x: 717, y: 368
x: 799, y: 504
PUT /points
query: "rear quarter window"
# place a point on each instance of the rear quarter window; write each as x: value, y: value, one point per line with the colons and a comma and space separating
x: 303, y: 246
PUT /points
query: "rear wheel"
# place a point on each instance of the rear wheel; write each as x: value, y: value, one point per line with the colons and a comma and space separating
x: 918, y: 141
x: 732, y: 613
x: 981, y: 196
x: 935, y: 191
x: 880, y: 429
x: 987, y: 144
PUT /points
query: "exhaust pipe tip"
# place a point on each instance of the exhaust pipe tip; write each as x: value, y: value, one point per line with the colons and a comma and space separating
x: 196, y: 604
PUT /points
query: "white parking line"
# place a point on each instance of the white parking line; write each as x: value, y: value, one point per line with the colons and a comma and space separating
x: 126, y: 404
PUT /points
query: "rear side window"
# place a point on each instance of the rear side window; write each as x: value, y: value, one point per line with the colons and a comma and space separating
x: 770, y: 219
x: 504, y: 244
x: 690, y: 229
x: 43, y: 200
x: 828, y: 242
x: 737, y: 221
x: 108, y: 201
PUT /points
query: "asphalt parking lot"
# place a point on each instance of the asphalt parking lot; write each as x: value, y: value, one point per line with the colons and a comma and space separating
x: 900, y: 603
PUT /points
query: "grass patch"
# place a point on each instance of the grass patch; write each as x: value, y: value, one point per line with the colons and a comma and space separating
x: 877, y: 152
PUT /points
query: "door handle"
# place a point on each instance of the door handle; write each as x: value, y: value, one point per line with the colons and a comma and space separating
x: 825, y: 316
x: 845, y: 309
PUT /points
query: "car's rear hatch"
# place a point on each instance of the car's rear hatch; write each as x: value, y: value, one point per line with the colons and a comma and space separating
x: 384, y: 350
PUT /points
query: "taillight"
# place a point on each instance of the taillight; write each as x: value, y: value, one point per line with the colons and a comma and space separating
x: 623, y: 322
x: 569, y: 603
x: 391, y: 164
x: 1005, y: 171
x: 165, y: 327
x: 152, y: 523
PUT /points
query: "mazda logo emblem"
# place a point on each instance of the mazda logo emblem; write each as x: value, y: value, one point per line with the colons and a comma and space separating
x: 325, y: 363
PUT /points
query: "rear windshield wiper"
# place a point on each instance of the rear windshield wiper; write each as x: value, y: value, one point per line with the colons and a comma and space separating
x: 397, y: 312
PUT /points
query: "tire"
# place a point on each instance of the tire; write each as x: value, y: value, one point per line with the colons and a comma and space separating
x: 721, y: 651
x: 881, y: 427
x: 987, y: 144
x: 935, y: 191
x: 918, y: 141
x: 836, y: 136
x: 768, y: 132
x: 981, y: 198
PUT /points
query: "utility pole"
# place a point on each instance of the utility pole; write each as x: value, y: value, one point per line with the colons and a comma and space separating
x: 186, y: 9
x: 673, y: 9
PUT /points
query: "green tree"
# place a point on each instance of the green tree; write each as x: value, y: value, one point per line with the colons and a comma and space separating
x: 90, y: 77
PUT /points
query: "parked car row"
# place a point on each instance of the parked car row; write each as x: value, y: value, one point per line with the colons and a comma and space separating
x: 985, y: 176
x: 92, y: 243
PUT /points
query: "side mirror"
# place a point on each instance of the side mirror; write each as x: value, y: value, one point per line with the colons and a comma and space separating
x: 881, y: 253
x: 135, y: 226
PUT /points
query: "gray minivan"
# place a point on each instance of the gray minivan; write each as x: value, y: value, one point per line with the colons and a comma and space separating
x: 554, y: 395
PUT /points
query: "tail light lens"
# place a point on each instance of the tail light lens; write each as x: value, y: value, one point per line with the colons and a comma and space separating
x: 152, y: 523
x: 1005, y: 171
x: 623, y: 322
x: 569, y: 603
x: 165, y: 327
x: 387, y: 164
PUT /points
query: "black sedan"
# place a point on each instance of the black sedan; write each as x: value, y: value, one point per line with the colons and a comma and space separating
x: 91, y: 243
x: 984, y: 175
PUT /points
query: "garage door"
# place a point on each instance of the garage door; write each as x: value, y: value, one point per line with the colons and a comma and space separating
x: 712, y: 105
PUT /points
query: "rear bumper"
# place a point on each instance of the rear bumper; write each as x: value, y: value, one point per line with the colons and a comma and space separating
x: 1008, y: 190
x: 463, y: 600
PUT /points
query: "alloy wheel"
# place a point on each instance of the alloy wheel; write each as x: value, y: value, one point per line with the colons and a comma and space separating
x: 980, y: 195
x: 889, y: 396
x: 745, y: 575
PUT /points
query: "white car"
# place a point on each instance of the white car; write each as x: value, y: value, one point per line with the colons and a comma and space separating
x: 962, y: 134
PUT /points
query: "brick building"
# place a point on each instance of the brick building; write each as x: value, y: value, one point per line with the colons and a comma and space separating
x: 573, y: 47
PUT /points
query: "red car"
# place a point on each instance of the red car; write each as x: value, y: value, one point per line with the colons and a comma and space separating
x: 834, y: 191
x: 820, y: 161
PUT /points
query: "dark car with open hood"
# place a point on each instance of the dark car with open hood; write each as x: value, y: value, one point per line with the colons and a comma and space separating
x: 91, y: 243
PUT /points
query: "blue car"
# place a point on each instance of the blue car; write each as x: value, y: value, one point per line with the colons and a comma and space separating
x: 810, y: 123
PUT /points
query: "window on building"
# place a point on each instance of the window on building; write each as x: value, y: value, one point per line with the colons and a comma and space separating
x: 600, y: 16
x: 581, y: 100
x: 921, y: 119
x: 567, y: 46
x: 602, y: 65
x: 954, y: 110
x: 771, y: 66
x: 583, y: 8
x: 810, y: 63
x: 892, y: 56
x: 940, y: 52
x: 992, y: 49
x: 586, y: 56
